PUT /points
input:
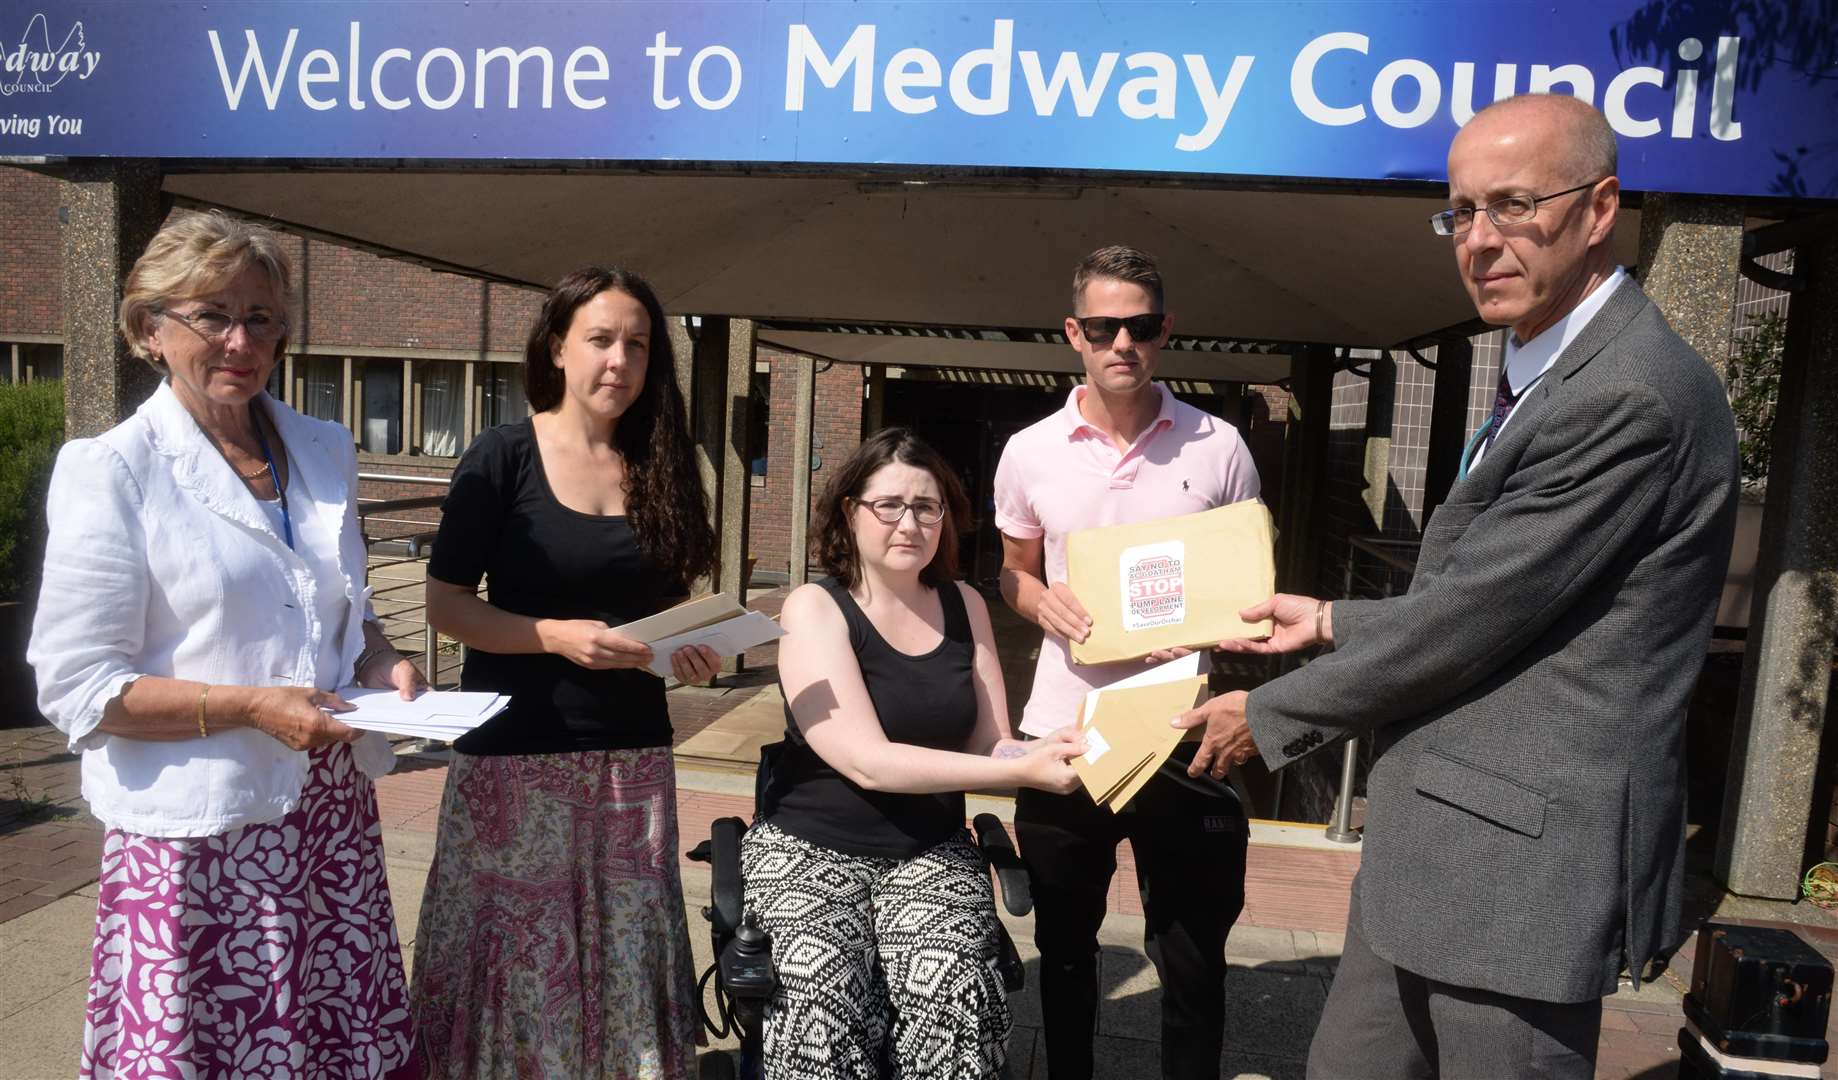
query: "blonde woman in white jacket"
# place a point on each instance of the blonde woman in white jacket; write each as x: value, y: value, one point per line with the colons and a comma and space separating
x: 203, y: 598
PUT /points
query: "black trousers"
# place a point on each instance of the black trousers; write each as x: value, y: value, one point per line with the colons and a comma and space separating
x: 1385, y: 1023
x: 1189, y: 838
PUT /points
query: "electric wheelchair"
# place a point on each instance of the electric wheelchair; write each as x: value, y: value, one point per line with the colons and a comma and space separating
x: 742, y: 969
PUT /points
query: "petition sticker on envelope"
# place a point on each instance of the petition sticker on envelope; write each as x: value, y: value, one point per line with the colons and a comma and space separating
x: 1154, y: 585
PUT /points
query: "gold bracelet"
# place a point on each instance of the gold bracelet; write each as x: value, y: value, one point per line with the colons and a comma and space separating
x: 1320, y: 613
x: 203, y: 732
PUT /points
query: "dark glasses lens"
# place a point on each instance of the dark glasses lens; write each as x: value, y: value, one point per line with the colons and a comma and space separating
x: 1102, y: 329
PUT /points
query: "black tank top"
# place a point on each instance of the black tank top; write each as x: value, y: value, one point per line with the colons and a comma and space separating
x: 927, y: 700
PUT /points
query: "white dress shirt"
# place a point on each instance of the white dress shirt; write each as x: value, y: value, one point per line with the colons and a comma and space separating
x: 1527, y: 362
x: 160, y: 562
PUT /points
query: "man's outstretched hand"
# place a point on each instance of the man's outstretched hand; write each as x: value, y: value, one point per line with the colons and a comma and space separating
x: 1227, y: 741
x: 1300, y: 621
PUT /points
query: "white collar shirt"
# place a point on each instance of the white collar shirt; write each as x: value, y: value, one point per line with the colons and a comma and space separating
x: 1528, y: 362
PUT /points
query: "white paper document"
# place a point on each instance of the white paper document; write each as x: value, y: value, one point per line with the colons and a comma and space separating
x: 1184, y: 667
x: 729, y: 637
x: 434, y: 714
x: 716, y: 621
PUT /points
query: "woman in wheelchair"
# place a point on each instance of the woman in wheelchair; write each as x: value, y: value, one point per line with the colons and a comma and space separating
x: 878, y: 904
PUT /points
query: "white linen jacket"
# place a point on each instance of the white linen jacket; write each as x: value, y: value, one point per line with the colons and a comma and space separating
x: 160, y: 562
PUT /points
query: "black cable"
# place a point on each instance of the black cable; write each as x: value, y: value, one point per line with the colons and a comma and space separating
x: 726, y: 1026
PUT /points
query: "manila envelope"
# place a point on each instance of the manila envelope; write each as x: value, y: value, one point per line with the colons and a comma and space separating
x: 1173, y: 582
x: 1128, y: 736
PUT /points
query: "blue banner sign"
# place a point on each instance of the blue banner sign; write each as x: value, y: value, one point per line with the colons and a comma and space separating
x: 1706, y: 98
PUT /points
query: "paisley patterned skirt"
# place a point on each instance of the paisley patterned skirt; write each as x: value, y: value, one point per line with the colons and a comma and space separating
x: 552, y: 940
x: 267, y: 951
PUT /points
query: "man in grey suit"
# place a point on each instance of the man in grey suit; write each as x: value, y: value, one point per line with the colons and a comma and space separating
x: 1526, y: 698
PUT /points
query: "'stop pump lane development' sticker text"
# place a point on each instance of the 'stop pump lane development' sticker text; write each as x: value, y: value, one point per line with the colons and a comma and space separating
x: 1154, y: 585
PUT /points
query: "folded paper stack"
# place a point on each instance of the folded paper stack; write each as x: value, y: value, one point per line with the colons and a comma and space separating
x: 434, y: 714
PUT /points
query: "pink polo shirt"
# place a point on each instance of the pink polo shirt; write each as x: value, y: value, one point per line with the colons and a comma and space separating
x: 1061, y: 475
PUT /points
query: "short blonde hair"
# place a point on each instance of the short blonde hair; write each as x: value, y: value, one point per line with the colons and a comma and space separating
x: 197, y: 253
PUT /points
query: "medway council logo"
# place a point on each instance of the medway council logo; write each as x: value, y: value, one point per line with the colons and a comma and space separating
x: 34, y: 65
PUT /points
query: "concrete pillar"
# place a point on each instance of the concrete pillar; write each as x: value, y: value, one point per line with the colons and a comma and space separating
x: 111, y: 210
x: 1448, y: 420
x: 804, y: 391
x: 683, y: 353
x: 874, y: 404
x: 469, y: 394
x: 1305, y: 460
x: 1690, y: 254
x: 1381, y: 405
x: 731, y: 575
x: 1786, y: 673
x: 708, y: 408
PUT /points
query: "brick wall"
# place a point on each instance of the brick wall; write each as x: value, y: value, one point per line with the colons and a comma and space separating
x: 836, y: 430
x: 32, y: 277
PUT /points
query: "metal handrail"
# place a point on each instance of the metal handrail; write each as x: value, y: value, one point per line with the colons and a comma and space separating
x: 418, y: 544
x: 1396, y: 557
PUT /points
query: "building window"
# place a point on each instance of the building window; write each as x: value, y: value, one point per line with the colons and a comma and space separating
x: 443, y: 406
x: 30, y: 361
x: 319, y: 382
x: 277, y: 380
x: 381, y: 407
x: 501, y: 391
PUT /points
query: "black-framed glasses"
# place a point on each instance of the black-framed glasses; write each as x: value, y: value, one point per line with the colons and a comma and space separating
x: 1102, y: 329
x: 1512, y: 210
x: 217, y: 325
x: 890, y: 511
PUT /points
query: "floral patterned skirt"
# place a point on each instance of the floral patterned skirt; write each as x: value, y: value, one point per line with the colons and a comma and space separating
x: 267, y: 951
x: 552, y: 940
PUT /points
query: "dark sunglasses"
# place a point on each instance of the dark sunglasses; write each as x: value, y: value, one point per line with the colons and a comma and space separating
x: 1102, y: 329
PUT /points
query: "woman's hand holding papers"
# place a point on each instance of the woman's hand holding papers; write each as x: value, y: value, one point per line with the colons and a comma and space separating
x: 592, y: 644
x: 694, y: 664
x: 1300, y: 621
x: 1227, y: 741
x: 1046, y: 763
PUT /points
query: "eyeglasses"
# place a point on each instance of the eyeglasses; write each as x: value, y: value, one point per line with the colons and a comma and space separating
x: 1102, y: 329
x: 215, y: 325
x: 1512, y: 210
x: 892, y: 511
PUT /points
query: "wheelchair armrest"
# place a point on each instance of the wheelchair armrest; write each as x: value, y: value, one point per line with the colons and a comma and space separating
x: 999, y: 851
x: 724, y: 872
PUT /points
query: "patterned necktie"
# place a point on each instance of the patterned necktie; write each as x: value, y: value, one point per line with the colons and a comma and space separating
x: 1503, y: 401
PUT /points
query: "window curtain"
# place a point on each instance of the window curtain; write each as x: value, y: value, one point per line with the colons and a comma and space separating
x: 443, y: 407
x: 504, y: 400
x: 323, y: 378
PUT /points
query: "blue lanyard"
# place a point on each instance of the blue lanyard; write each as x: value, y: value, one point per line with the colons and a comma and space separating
x: 287, y: 522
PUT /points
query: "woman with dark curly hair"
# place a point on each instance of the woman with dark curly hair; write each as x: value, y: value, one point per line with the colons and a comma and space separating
x: 552, y: 941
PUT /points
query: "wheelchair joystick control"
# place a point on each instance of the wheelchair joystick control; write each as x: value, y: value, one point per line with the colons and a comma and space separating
x: 746, y: 962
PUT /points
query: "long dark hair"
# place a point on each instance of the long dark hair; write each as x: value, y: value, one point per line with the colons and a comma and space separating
x: 664, y: 498
x: 835, y: 541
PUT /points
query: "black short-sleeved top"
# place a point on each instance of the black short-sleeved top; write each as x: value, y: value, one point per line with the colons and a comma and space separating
x: 927, y: 700
x: 502, y: 522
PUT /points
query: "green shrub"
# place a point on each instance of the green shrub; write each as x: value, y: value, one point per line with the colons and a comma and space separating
x: 31, y: 430
x: 1754, y: 389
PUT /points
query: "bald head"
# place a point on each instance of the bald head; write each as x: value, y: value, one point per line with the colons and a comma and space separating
x: 1582, y: 143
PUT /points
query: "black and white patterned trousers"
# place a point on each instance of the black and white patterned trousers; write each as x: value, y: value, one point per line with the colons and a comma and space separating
x: 886, y: 967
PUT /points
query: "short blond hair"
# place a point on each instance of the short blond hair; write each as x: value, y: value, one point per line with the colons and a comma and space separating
x: 197, y: 253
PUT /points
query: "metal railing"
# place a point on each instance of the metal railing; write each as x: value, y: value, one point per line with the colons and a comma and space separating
x: 1377, y: 567
x: 398, y: 587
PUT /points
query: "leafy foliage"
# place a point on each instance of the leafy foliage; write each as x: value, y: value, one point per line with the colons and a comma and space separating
x: 31, y: 430
x: 1754, y: 389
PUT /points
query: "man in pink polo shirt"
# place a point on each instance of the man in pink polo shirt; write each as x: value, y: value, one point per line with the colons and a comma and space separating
x: 1121, y: 449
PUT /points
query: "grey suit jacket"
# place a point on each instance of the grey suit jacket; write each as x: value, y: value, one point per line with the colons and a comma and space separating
x: 1525, y: 821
